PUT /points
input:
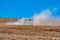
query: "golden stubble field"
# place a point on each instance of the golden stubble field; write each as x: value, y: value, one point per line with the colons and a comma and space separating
x: 30, y: 32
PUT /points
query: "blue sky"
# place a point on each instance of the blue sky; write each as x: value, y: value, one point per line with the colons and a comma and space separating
x: 26, y: 8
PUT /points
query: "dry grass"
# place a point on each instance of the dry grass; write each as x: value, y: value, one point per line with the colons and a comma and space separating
x: 24, y: 32
x: 28, y: 33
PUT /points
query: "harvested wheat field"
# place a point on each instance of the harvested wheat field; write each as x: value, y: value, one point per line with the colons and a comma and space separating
x: 28, y: 32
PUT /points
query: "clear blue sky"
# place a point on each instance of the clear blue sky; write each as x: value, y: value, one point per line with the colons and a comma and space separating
x: 25, y: 8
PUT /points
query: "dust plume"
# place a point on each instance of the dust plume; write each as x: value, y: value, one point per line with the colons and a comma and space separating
x: 45, y: 17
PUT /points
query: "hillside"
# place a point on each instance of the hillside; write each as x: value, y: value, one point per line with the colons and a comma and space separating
x: 7, y: 19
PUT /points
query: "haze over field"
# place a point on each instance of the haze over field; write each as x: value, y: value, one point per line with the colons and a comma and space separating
x: 45, y: 17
